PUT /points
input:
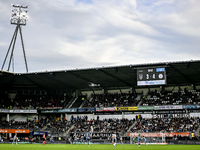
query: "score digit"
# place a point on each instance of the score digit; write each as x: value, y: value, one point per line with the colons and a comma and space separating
x: 147, y: 76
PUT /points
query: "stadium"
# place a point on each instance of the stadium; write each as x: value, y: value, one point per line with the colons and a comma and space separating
x: 146, y: 105
x: 104, y: 100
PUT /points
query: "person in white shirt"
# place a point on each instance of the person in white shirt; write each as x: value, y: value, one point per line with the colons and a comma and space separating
x: 121, y: 140
x: 114, y: 139
x: 15, y: 138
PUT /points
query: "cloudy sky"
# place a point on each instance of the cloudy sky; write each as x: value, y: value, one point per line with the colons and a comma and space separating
x: 69, y: 34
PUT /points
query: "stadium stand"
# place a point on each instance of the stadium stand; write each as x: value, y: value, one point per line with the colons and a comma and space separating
x: 106, y: 125
x: 184, y: 97
x: 153, y: 98
x: 33, y: 125
x: 118, y: 103
x: 34, y: 101
x: 189, y: 124
x: 112, y: 99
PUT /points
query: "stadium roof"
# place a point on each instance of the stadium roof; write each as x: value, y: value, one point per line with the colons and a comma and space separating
x: 113, y: 77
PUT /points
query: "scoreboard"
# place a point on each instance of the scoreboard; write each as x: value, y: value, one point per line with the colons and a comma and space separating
x: 151, y: 76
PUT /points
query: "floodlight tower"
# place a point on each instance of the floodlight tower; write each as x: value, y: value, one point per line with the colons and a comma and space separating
x: 18, y: 18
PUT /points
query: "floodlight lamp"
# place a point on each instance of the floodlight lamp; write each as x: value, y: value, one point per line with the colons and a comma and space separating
x: 14, y: 10
x: 23, y: 14
x: 14, y: 14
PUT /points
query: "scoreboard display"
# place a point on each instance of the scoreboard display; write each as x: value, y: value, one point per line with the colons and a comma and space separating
x: 151, y: 76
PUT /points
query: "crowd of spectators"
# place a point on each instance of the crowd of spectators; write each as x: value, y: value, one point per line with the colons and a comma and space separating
x: 80, y: 124
x: 112, y: 100
x: 59, y: 126
x: 184, y: 97
x: 50, y: 124
x: 34, y: 101
x: 31, y: 124
x: 182, y: 124
x: 105, y: 125
x: 12, y: 124
x: 153, y: 98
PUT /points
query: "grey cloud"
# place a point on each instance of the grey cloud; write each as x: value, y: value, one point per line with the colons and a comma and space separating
x: 75, y: 34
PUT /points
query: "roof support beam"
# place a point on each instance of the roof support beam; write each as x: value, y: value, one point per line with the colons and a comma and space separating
x: 33, y: 82
x: 181, y: 74
x: 51, y: 77
x: 81, y: 78
x: 115, y: 77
